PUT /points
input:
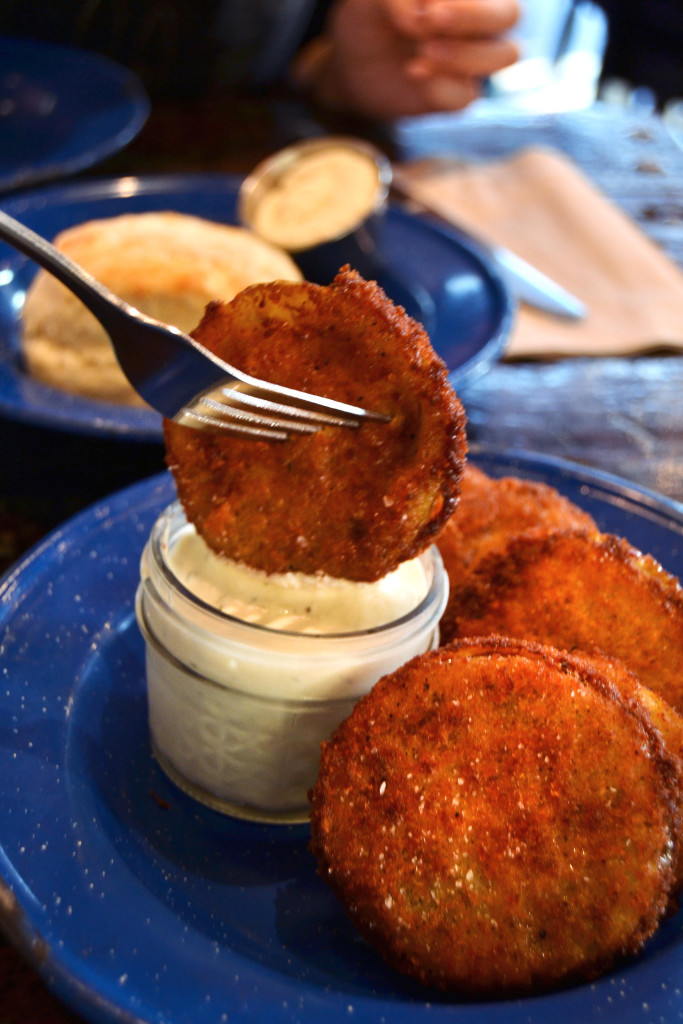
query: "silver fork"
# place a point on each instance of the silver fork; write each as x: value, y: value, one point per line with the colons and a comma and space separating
x: 175, y: 374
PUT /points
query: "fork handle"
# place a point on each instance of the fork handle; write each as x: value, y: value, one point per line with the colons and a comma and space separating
x: 169, y: 370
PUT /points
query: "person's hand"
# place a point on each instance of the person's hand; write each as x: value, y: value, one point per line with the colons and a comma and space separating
x: 392, y: 58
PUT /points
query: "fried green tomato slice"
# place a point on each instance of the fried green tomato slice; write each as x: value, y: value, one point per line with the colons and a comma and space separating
x: 667, y: 722
x: 491, y: 510
x: 497, y: 820
x: 581, y: 591
x: 352, y: 503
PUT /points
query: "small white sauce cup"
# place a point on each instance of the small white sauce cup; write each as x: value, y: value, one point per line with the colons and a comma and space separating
x: 358, y: 244
x: 237, y: 711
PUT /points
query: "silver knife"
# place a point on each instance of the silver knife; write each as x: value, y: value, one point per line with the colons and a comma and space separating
x: 524, y: 281
x: 532, y: 286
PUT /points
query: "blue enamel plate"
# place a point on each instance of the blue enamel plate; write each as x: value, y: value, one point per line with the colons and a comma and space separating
x: 436, y: 273
x: 138, y: 905
x: 63, y: 109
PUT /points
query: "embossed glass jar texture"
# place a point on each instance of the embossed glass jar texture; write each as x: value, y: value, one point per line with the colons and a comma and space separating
x: 237, y: 711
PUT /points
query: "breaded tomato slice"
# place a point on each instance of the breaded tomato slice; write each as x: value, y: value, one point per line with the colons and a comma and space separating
x: 496, y: 820
x: 350, y: 503
x: 667, y: 722
x: 491, y: 510
x: 579, y: 591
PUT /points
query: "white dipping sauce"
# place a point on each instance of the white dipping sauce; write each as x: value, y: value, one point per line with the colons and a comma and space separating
x: 323, y: 195
x: 247, y: 674
x: 293, y: 602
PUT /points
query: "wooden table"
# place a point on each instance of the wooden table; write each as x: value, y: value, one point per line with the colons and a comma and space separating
x: 631, y: 420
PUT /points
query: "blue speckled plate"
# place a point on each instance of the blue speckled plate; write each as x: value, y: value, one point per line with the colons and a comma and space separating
x: 435, y: 272
x: 61, y: 110
x: 138, y: 905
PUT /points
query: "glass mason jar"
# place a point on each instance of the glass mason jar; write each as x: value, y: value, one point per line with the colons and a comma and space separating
x: 237, y: 710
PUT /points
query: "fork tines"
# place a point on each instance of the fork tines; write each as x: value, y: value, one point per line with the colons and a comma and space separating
x: 247, y: 413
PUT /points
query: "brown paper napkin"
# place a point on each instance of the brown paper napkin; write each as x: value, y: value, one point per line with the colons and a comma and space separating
x: 540, y: 205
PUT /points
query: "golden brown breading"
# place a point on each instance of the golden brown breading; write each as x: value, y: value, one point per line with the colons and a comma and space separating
x: 351, y: 503
x: 490, y: 511
x: 667, y: 722
x: 579, y: 591
x: 496, y: 819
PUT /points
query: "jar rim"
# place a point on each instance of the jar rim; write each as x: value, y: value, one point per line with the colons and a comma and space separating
x: 173, y: 518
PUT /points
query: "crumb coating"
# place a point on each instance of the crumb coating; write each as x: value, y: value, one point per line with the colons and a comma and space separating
x: 579, y: 591
x: 353, y: 503
x: 497, y: 820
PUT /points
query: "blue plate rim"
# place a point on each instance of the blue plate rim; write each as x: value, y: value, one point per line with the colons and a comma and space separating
x: 84, y: 416
x: 60, y: 969
x: 126, y: 83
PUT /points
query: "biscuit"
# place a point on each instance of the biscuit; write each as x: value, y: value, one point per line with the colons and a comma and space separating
x: 168, y: 265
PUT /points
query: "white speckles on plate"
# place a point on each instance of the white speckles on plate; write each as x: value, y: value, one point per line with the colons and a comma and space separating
x: 151, y: 908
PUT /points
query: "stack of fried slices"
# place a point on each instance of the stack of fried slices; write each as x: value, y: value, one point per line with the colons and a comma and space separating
x: 503, y: 815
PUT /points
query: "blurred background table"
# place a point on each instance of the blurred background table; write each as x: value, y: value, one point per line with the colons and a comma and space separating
x: 630, y: 419
x: 624, y: 416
